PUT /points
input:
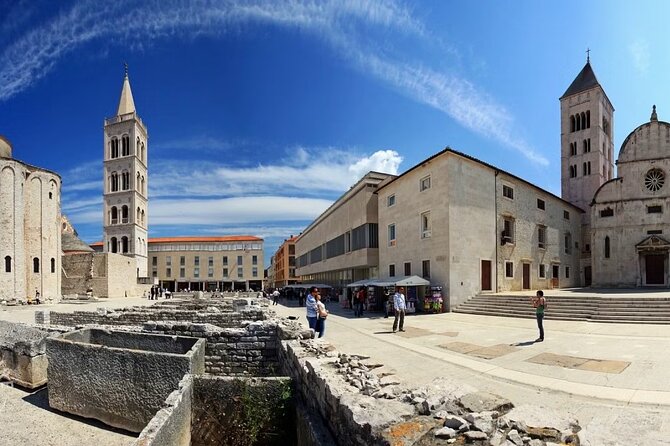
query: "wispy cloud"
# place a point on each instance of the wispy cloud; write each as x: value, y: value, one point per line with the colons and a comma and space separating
x: 639, y: 51
x: 340, y: 23
x: 200, y: 143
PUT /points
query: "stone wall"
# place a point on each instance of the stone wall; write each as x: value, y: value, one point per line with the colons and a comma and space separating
x: 106, y: 274
x: 172, y: 424
x: 122, y: 387
x: 23, y: 357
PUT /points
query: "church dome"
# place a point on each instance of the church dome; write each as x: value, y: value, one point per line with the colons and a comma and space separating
x: 5, y: 148
x: 649, y: 141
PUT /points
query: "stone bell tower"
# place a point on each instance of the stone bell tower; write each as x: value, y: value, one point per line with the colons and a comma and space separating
x: 125, y: 198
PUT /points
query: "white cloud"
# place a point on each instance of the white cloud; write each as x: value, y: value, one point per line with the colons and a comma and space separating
x: 385, y: 161
x: 639, y: 51
x: 338, y: 22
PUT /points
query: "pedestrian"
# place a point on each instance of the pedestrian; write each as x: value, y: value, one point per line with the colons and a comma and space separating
x: 311, y: 307
x: 152, y: 293
x: 360, y: 301
x: 275, y: 297
x: 321, y: 315
x: 540, y: 304
x: 387, y: 304
x: 399, y: 305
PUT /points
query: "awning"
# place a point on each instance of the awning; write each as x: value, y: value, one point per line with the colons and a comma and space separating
x: 364, y: 282
x: 412, y: 281
x: 307, y: 285
x: 391, y: 281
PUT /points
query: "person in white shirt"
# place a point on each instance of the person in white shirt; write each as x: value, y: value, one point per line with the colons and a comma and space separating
x: 321, y: 315
x: 399, y: 306
x: 275, y: 297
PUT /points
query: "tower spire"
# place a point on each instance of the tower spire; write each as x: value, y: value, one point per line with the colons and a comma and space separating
x: 126, y: 103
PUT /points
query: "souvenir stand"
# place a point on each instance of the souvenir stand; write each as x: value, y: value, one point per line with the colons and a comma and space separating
x: 433, y: 301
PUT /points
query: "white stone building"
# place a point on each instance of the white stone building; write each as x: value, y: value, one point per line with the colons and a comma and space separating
x: 125, y: 200
x: 30, y: 229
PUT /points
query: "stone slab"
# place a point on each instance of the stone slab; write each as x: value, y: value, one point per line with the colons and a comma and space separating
x: 577, y: 363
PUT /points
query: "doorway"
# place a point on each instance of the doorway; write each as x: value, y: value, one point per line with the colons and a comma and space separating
x: 525, y: 276
x: 554, y: 275
x: 587, y: 276
x: 655, y: 269
x: 486, y: 275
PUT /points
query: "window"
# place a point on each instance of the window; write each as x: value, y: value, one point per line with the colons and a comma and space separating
x: 254, y: 260
x: 391, y: 231
x: 508, y: 192
x: 542, y: 271
x: 225, y: 273
x: 654, y: 180
x: 587, y: 247
x: 125, y: 145
x: 239, y: 260
x: 124, y: 214
x: 425, y: 225
x: 567, y: 242
x: 540, y: 204
x: 114, y: 215
x: 509, y: 269
x: 347, y: 241
x: 182, y: 261
x: 196, y: 272
x: 168, y: 260
x: 541, y: 236
x: 573, y: 148
x: 240, y: 273
x: 508, y: 231
x: 8, y: 264
x: 210, y: 261
x: 225, y: 260
x: 391, y: 270
x: 51, y: 195
x: 168, y: 272
x: 114, y: 148
x: 254, y: 271
x: 567, y: 272
x: 182, y: 272
x: 656, y: 209
x: 425, y: 269
x: 36, y: 265
x: 566, y: 215
x: 424, y: 183
x: 607, y: 212
x: 196, y: 261
x: 390, y: 200
x: 588, y: 168
x: 408, y: 268
x: 654, y: 232
x: 154, y: 261
x: 210, y: 272
x: 114, y: 182
x: 607, y: 247
x: 125, y: 180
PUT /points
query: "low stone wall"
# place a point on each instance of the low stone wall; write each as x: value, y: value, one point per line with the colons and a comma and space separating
x: 23, y: 357
x: 93, y: 374
x: 172, y: 424
x: 243, y: 411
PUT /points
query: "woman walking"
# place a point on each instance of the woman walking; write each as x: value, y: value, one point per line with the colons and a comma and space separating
x: 321, y: 315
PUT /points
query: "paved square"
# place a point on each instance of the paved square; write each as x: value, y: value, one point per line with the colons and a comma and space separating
x: 574, y: 362
x: 491, y: 352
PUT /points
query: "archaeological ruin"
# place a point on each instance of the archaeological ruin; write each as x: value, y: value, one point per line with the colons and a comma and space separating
x: 228, y: 371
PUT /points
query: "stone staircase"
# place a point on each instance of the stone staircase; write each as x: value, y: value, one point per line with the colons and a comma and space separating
x: 646, y: 310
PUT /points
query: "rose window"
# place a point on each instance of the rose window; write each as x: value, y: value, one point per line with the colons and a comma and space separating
x: 654, y: 180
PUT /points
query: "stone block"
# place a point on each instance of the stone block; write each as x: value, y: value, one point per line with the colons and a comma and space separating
x: 119, y: 378
x: 23, y: 354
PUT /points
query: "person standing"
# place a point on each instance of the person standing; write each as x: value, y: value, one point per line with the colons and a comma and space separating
x: 275, y: 297
x: 399, y: 305
x: 360, y: 301
x: 539, y: 303
x: 321, y: 315
x: 311, y: 307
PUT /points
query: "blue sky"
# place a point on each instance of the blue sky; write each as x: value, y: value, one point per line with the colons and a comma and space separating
x: 260, y: 114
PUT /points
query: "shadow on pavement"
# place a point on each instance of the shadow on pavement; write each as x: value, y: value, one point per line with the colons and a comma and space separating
x: 523, y: 344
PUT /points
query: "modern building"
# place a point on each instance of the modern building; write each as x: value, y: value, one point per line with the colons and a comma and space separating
x: 284, y: 265
x: 470, y: 227
x: 341, y: 245
x: 207, y: 263
x: 125, y: 196
x: 30, y: 228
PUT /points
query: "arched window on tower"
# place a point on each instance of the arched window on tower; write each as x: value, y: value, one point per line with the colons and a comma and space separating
x: 572, y: 123
x: 125, y: 145
x: 115, y: 182
x: 584, y: 169
x: 588, y: 168
x: 143, y: 154
x: 588, y: 119
x: 143, y: 189
x: 142, y: 217
x: 139, y: 246
x: 578, y: 125
x: 125, y: 180
x: 137, y: 220
x: 124, y: 214
x: 137, y: 147
x: 124, y: 244
x: 53, y: 265
x: 113, y: 215
x: 607, y: 247
x: 36, y: 265
x: 583, y: 116
x: 115, y: 148
x: 584, y: 145
x: 8, y: 264
x: 114, y: 245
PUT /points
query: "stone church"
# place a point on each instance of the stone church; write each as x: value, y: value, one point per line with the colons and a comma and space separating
x: 626, y: 225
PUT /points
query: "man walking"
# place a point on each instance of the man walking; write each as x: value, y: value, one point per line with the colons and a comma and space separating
x: 539, y: 303
x: 399, y: 308
x: 275, y: 296
x: 312, y: 307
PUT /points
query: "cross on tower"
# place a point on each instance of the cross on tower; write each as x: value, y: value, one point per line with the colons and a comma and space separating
x: 588, y: 51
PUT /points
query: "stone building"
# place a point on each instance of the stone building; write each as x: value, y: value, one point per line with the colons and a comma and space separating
x: 470, y: 227
x: 30, y: 236
x: 125, y: 196
x: 207, y: 263
x: 283, y: 265
x: 341, y: 245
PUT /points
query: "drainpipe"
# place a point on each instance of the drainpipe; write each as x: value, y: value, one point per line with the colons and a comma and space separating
x: 495, y: 201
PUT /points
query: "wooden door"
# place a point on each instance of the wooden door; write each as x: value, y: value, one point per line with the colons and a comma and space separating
x: 486, y: 275
x: 655, y: 269
x: 587, y: 276
x: 526, y: 276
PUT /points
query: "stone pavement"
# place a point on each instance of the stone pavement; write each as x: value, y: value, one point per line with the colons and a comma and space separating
x: 611, y: 377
